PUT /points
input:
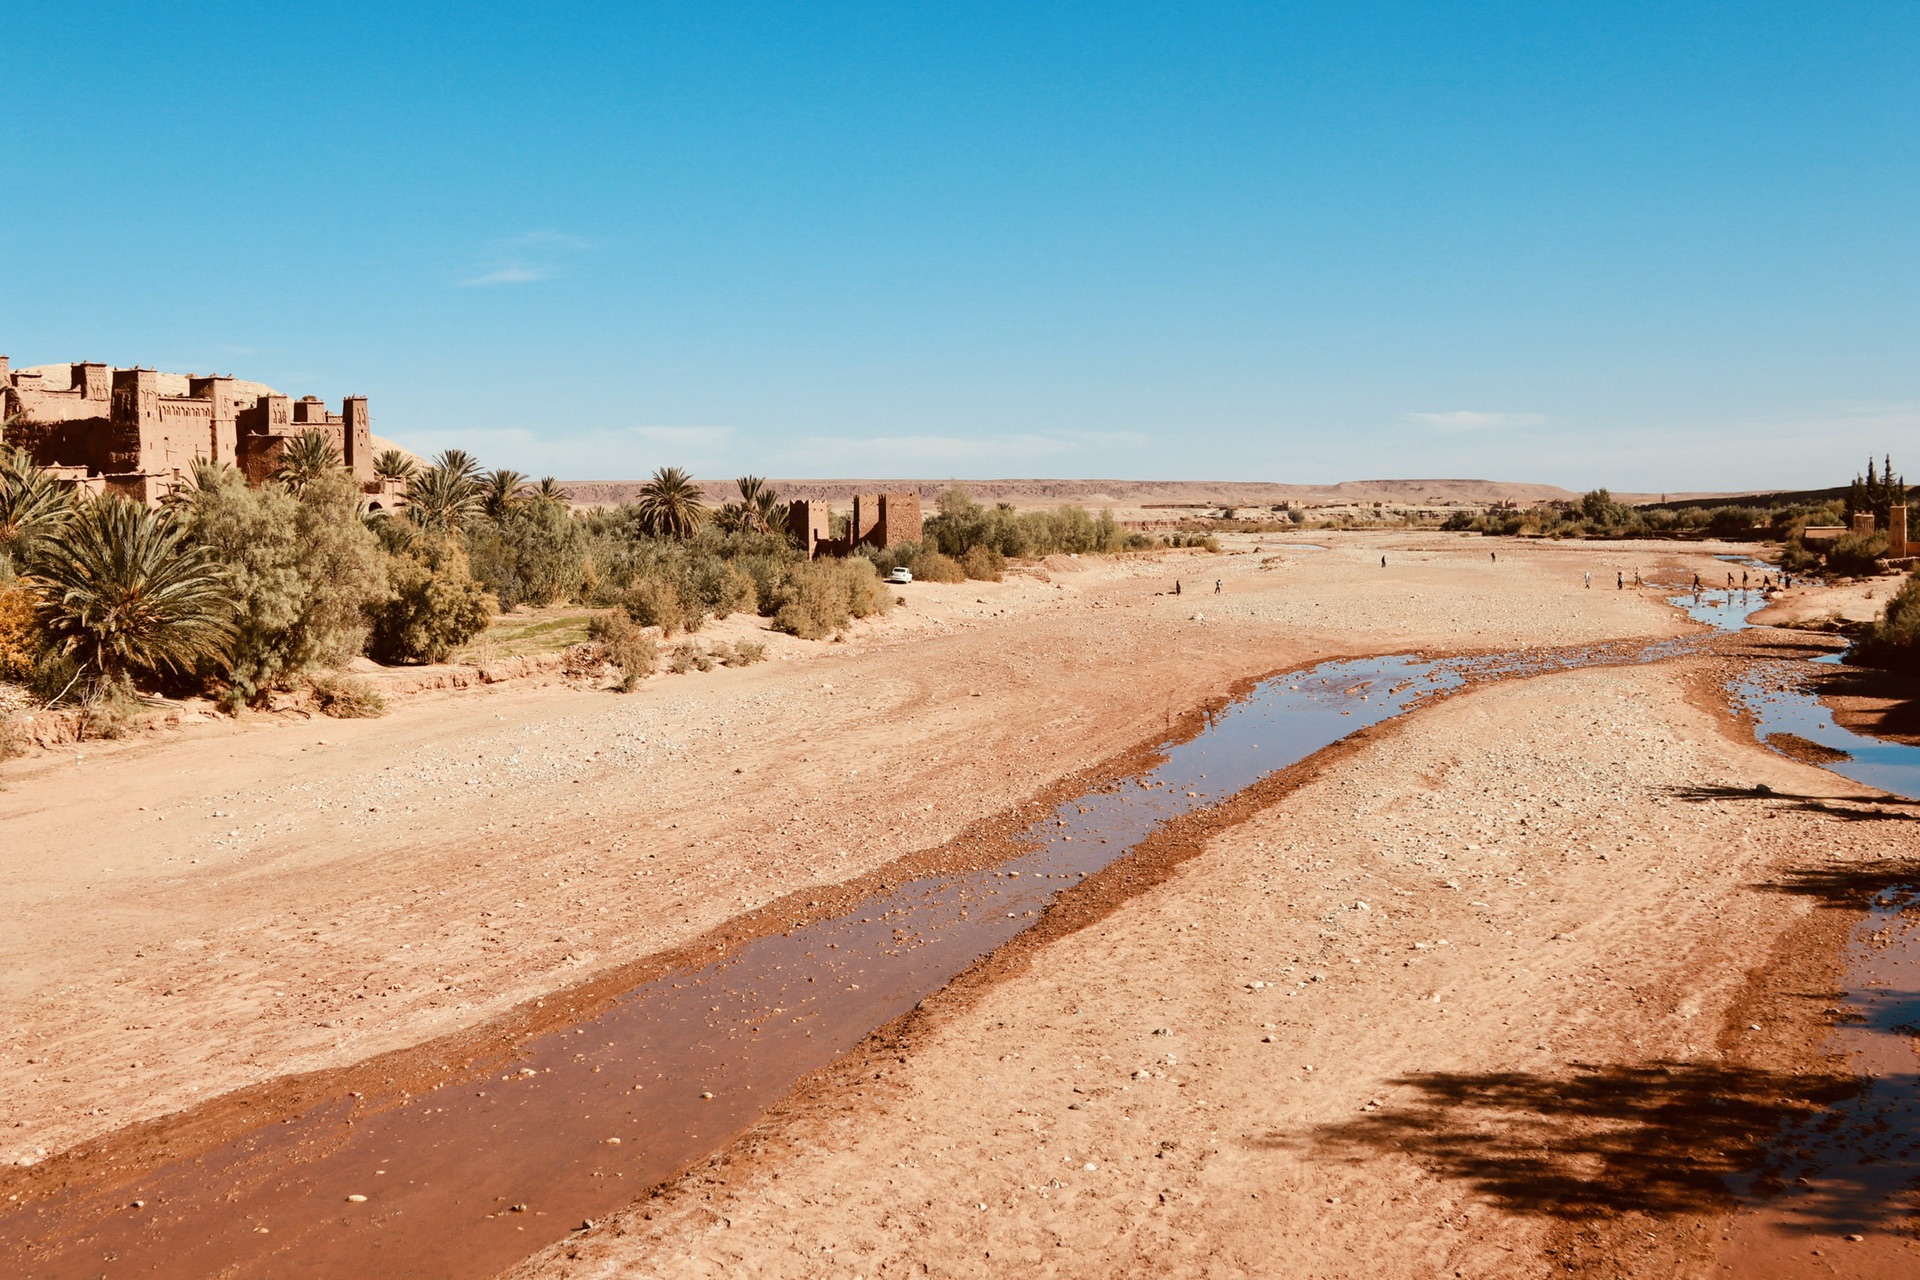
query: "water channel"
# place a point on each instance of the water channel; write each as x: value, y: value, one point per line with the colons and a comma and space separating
x: 495, y: 1163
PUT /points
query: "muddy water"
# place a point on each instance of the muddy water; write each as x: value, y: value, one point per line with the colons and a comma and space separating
x: 1840, y: 1192
x: 475, y: 1174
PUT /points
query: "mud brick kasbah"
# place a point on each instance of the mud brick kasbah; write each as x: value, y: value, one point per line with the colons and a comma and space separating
x: 879, y: 520
x: 138, y: 432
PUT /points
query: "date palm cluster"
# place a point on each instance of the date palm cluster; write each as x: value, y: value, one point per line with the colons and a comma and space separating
x: 117, y: 586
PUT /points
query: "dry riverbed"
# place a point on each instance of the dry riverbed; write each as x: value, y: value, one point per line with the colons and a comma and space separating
x: 1548, y: 876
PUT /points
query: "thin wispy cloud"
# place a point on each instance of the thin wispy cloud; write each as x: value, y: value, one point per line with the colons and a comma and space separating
x: 526, y: 259
x: 1476, y: 420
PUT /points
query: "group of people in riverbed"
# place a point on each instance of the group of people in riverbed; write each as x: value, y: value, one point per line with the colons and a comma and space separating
x: 1768, y: 583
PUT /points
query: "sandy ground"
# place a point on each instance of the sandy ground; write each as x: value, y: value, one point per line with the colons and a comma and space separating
x: 1346, y: 1040
x: 185, y: 917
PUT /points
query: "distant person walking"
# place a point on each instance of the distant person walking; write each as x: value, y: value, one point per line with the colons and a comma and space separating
x: 1216, y: 586
x: 1696, y: 584
x: 1619, y: 580
x: 1636, y: 577
x: 1383, y: 562
x: 1494, y: 556
x: 1176, y: 586
x: 1589, y: 579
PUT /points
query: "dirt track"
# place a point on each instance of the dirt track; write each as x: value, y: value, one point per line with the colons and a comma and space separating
x: 369, y: 885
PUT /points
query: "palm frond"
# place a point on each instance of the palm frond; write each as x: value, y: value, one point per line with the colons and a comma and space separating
x: 443, y: 501
x: 671, y: 505
x: 122, y: 593
x: 393, y: 464
x: 33, y: 505
x: 305, y: 458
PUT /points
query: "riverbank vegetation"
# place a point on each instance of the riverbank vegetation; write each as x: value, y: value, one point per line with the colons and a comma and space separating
x: 239, y: 590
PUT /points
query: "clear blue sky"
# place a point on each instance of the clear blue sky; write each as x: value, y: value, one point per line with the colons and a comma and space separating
x: 1659, y: 246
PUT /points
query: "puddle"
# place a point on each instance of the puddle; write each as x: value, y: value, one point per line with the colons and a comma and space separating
x: 1890, y: 766
x: 1719, y: 608
x: 1838, y: 1191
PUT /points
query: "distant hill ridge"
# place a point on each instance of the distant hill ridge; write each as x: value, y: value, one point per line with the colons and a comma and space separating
x: 1131, y: 493
x: 1142, y: 493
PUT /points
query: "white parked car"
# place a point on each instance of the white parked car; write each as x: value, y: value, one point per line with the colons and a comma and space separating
x: 899, y: 576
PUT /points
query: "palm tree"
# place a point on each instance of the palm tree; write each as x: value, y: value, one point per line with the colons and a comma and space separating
x: 460, y: 464
x: 442, y: 501
x: 550, y: 491
x: 393, y: 464
x: 33, y: 505
x: 122, y: 592
x: 761, y: 502
x: 670, y: 504
x: 733, y: 517
x: 305, y: 458
x: 501, y: 490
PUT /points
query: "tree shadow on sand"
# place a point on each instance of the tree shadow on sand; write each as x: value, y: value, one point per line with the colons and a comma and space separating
x: 1663, y: 1139
x: 1848, y: 808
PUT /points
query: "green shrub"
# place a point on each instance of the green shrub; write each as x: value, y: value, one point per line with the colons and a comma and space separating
x: 820, y: 597
x: 983, y: 563
x: 304, y: 572
x: 719, y: 588
x: 931, y: 566
x: 1856, y: 556
x: 436, y: 605
x: 1894, y: 640
x: 1794, y: 556
x: 345, y: 698
x: 743, y: 654
x: 628, y: 647
x: 1194, y: 541
x: 656, y: 602
x: 687, y: 656
x: 528, y: 552
x: 962, y: 524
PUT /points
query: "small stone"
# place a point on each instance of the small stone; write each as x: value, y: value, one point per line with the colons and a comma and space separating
x: 356, y: 1199
x: 706, y: 1095
x: 139, y: 1204
x: 1856, y: 1237
x: 517, y: 1208
x: 613, y: 1142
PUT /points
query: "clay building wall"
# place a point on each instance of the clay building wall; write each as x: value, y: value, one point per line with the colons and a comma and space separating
x: 899, y: 519
x: 866, y: 519
x: 139, y: 431
x: 810, y: 525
